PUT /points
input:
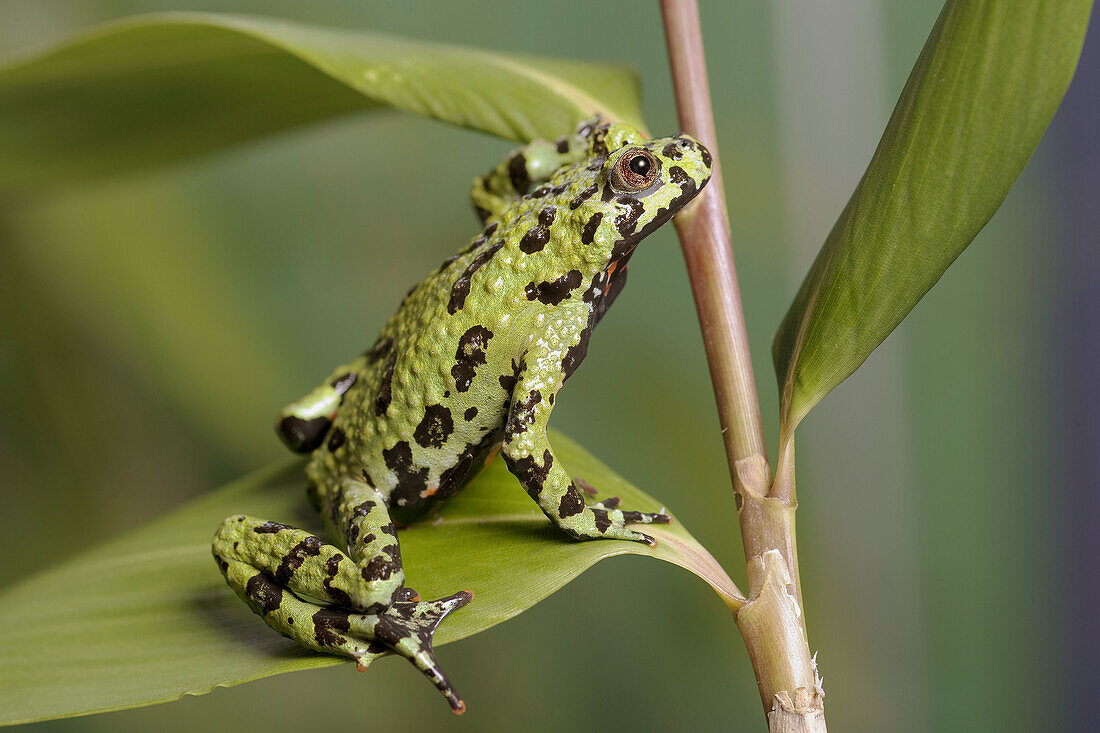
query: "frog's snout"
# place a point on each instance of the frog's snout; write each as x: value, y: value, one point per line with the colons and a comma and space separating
x: 691, y: 156
x: 687, y: 142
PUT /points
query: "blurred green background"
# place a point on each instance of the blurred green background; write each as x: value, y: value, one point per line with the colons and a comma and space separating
x: 152, y: 326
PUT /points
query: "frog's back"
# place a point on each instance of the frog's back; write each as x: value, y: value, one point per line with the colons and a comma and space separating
x: 431, y: 395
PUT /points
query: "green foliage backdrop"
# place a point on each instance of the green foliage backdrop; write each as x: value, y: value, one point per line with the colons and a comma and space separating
x: 152, y: 325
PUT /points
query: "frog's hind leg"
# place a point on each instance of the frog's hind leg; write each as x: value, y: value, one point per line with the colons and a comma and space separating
x: 406, y: 627
x: 351, y: 604
x: 534, y: 163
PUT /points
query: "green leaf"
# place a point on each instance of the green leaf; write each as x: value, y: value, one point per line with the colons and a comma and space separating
x: 167, y: 87
x: 147, y: 618
x: 975, y: 106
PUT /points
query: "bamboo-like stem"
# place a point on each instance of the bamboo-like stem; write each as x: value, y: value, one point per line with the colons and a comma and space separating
x: 772, y: 622
x: 705, y: 238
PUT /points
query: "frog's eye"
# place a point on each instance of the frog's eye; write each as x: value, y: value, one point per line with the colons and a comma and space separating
x: 635, y: 170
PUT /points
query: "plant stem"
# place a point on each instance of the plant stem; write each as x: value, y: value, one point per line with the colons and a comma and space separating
x: 705, y: 238
x: 772, y: 622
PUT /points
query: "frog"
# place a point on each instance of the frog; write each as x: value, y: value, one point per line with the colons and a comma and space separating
x: 467, y: 368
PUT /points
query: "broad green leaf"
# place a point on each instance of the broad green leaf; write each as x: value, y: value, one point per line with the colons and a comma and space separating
x: 167, y: 87
x: 147, y: 618
x: 975, y: 106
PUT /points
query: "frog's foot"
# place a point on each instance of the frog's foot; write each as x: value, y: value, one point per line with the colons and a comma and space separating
x: 633, y: 517
x: 609, y: 521
x: 408, y: 629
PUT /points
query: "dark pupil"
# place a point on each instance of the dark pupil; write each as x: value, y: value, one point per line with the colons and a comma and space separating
x: 639, y: 165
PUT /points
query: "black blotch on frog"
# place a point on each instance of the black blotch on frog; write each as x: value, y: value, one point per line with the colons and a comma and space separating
x: 469, y: 355
x: 332, y: 567
x: 530, y: 473
x: 385, y: 389
x: 522, y: 414
x: 601, y: 293
x: 265, y: 594
x: 588, y: 234
x: 583, y: 196
x: 326, y: 623
x: 309, y: 547
x: 461, y: 287
x: 554, y: 292
x: 508, y: 381
x: 383, y: 565
x: 599, y: 142
x: 538, y: 236
x: 410, y: 477
x: 270, y: 527
x: 572, y: 503
x: 301, y: 435
x: 435, y: 427
x: 517, y: 173
x: 472, y: 456
x: 627, y: 221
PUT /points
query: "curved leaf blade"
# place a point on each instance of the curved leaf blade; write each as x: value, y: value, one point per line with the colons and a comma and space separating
x: 976, y: 104
x: 168, y: 87
x: 148, y: 618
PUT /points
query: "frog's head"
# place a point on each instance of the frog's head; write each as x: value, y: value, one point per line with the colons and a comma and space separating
x: 643, y: 183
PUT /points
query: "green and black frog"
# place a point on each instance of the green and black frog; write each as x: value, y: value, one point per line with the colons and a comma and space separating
x: 470, y: 364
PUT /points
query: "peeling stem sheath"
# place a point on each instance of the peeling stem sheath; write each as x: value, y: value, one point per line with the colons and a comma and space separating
x: 705, y: 239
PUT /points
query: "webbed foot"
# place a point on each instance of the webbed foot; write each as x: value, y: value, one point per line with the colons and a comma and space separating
x: 408, y: 629
x: 612, y: 521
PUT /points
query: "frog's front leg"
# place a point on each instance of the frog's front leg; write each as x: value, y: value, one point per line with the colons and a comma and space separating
x: 524, y: 167
x: 529, y: 456
x: 351, y: 604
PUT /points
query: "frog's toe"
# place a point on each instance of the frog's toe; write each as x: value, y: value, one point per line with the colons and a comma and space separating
x: 409, y: 627
x: 407, y: 594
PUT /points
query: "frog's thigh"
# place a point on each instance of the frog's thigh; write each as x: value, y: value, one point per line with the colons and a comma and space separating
x: 527, y: 451
x: 314, y: 626
x: 307, y: 566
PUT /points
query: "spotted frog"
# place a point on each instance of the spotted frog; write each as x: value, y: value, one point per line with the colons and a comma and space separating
x: 470, y: 364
